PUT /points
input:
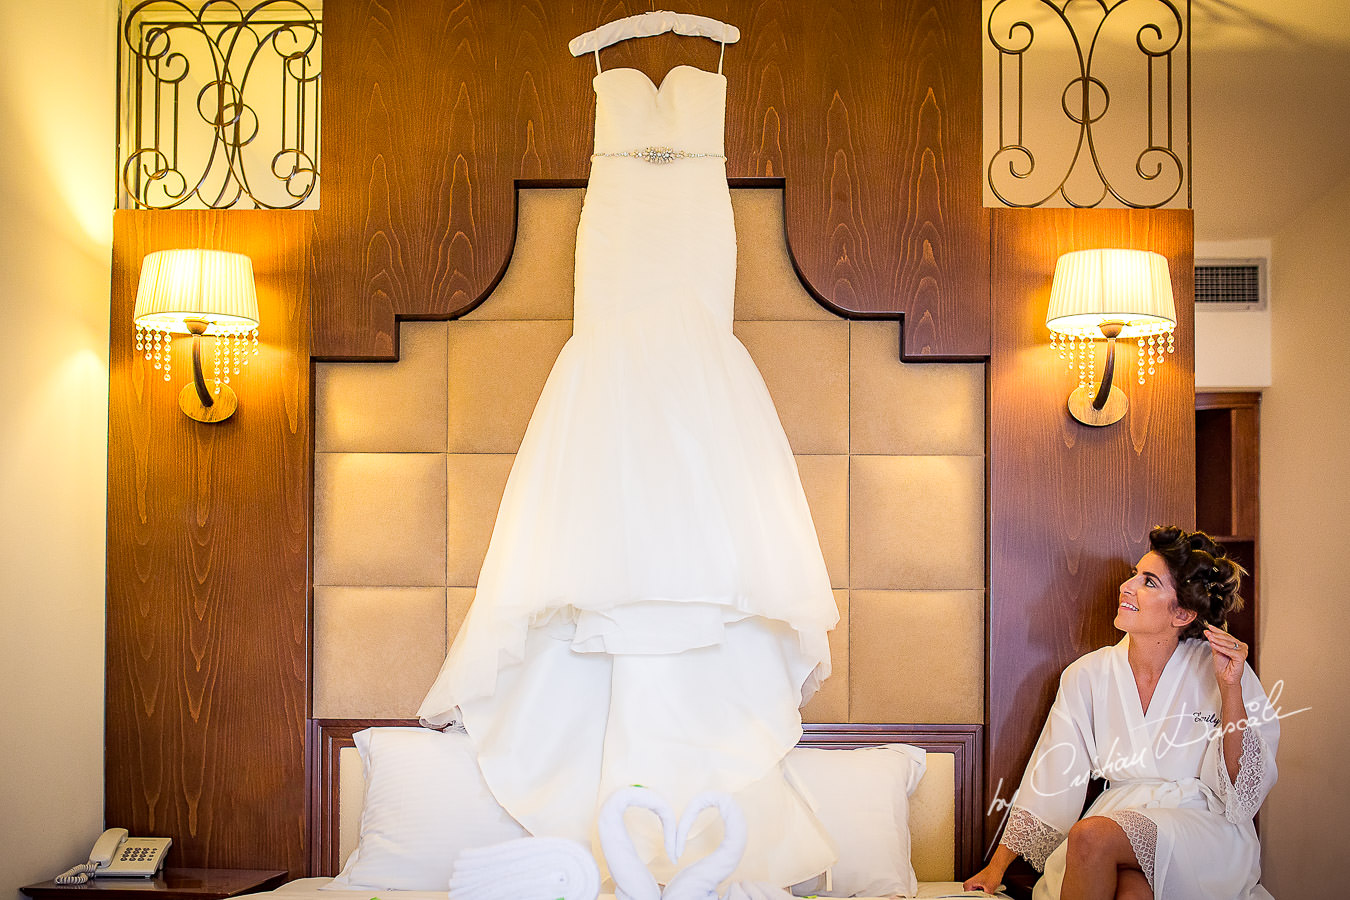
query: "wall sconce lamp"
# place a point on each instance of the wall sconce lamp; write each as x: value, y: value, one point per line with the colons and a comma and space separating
x: 201, y: 293
x: 1109, y: 294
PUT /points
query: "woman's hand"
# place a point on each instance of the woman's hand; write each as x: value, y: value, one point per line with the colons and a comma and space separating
x: 988, y: 879
x: 1229, y: 655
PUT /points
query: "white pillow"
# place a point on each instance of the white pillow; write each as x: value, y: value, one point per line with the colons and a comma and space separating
x: 862, y: 798
x: 425, y: 803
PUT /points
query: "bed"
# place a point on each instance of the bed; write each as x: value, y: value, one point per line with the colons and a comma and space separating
x: 313, y: 889
x: 943, y: 809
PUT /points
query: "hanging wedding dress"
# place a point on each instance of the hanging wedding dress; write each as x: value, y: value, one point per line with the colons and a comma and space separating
x: 653, y: 605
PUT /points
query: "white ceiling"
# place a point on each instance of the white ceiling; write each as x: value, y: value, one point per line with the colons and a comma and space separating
x: 1270, y: 111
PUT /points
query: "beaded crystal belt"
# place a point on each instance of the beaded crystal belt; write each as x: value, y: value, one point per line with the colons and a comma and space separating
x: 660, y: 155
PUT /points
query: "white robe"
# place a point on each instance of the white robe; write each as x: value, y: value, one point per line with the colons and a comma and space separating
x: 1190, y: 825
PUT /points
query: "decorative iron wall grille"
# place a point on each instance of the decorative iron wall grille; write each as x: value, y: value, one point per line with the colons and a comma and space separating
x: 219, y: 104
x: 1093, y: 103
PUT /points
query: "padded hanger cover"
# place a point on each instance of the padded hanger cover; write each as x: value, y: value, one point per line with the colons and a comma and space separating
x: 653, y: 23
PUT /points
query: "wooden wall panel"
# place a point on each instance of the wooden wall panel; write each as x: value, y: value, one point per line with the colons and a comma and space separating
x: 883, y: 170
x: 433, y: 109
x: 208, y: 545
x: 1070, y: 506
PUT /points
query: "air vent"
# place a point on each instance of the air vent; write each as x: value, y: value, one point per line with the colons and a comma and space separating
x: 1230, y: 284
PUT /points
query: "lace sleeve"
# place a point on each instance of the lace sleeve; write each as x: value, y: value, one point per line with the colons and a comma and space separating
x: 1030, y: 837
x: 1242, y: 796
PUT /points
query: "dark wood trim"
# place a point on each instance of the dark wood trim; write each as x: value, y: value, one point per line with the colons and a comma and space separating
x: 327, y: 738
x: 1228, y: 494
x: 965, y: 742
x: 169, y: 884
x: 1227, y: 399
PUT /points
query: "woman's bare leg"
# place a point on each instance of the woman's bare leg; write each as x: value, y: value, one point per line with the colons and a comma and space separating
x: 1098, y: 850
x: 1132, y: 885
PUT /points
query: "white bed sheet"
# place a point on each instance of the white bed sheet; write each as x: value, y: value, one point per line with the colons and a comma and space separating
x: 311, y: 888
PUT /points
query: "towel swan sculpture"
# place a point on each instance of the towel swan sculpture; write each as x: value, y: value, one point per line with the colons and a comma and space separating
x: 697, y: 881
x: 632, y: 880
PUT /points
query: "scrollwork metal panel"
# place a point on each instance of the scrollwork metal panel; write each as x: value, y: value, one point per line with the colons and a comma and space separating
x: 219, y: 105
x: 1092, y: 103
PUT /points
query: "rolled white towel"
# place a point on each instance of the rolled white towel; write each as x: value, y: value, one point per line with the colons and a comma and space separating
x: 530, y: 868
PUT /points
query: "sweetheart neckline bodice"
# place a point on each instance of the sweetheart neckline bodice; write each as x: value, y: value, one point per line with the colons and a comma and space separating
x: 686, y: 111
x: 648, y: 79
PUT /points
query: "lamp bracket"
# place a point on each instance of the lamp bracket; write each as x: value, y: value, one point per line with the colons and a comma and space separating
x: 1113, y: 410
x: 222, y: 405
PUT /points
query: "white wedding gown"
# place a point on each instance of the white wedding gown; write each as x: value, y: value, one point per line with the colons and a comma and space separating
x: 653, y: 606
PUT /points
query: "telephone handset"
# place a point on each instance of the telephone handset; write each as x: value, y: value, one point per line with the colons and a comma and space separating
x: 117, y: 855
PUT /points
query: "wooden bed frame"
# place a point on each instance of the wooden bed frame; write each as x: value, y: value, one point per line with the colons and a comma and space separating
x: 327, y: 738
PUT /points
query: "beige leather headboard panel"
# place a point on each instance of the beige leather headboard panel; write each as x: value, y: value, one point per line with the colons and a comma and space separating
x: 412, y: 457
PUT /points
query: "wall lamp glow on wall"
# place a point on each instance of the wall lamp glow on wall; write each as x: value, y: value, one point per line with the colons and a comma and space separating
x: 204, y: 293
x: 1109, y: 294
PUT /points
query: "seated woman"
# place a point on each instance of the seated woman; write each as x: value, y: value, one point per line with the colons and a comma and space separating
x: 1177, y: 723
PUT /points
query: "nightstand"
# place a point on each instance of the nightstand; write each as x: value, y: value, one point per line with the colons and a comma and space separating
x: 170, y: 884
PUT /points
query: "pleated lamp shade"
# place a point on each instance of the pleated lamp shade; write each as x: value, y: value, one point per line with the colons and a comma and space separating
x: 205, y: 285
x: 1132, y: 287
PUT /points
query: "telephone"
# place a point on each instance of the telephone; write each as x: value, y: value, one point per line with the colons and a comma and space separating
x: 117, y: 855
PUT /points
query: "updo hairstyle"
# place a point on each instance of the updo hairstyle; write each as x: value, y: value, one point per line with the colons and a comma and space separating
x: 1206, y: 579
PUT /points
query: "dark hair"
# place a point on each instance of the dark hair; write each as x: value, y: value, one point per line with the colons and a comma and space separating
x: 1206, y: 580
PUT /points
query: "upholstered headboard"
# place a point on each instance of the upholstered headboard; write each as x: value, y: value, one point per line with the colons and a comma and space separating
x: 412, y: 457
